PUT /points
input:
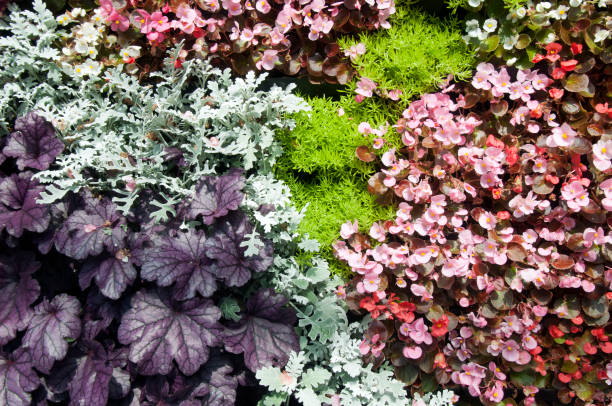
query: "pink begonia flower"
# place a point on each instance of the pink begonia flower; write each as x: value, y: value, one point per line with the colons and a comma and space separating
x: 365, y: 87
x: 510, y: 350
x: 355, y: 51
x: 496, y: 371
x: 602, y: 155
x: 501, y: 82
x: 529, y: 343
x: 477, y: 321
x: 455, y: 267
x: 588, y: 286
x: 370, y: 282
x: 421, y: 291
x: 320, y: 25
x: 569, y: 282
x: 364, y: 128
x: 269, y: 59
x: 540, y: 82
x: 374, y: 345
x: 159, y: 22
x: 575, y: 195
x: 592, y: 236
x: 487, y: 220
x: 335, y: 400
x: 247, y: 35
x: 523, y: 206
x: 118, y: 22
x: 106, y: 8
x: 496, y: 393
x: 234, y: 8
x: 609, y: 370
x: 471, y: 376
x: 562, y: 136
x: 412, y: 352
x: 540, y: 311
x: 263, y: 6
x: 377, y: 231
x: 419, y: 333
x: 348, y: 229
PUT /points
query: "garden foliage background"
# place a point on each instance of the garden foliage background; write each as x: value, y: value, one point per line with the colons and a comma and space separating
x: 305, y: 202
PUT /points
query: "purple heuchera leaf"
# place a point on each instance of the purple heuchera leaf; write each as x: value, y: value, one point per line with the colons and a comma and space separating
x: 18, y: 208
x: 214, y: 382
x: 265, y: 333
x: 180, y: 259
x: 86, y: 232
x: 112, y: 273
x: 232, y: 266
x: 17, y: 379
x: 50, y: 326
x: 33, y: 143
x: 159, y: 330
x: 90, y: 383
x: 216, y: 196
x: 17, y: 292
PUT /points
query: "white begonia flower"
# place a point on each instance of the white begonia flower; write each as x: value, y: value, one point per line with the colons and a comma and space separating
x: 474, y: 3
x: 521, y: 12
x: 92, y: 52
x: 79, y: 70
x: 560, y: 13
x: 132, y: 51
x: 602, y: 3
x: 511, y: 61
x: 550, y: 37
x: 92, y: 68
x: 67, y: 51
x: 490, y: 25
x: 509, y: 41
x: 472, y: 27
x: 601, y: 35
x: 110, y: 40
x: 575, y: 3
x: 77, y: 12
x: 81, y: 46
x: 64, y: 19
x: 88, y: 32
x: 543, y: 6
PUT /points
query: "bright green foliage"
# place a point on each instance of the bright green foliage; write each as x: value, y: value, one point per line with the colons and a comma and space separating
x: 331, y: 201
x: 320, y: 166
x: 417, y: 53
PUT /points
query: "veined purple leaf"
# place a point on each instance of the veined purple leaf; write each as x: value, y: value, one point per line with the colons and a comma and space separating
x: 17, y: 292
x: 112, y: 273
x: 216, y: 196
x: 90, y: 383
x: 50, y: 326
x: 33, y: 143
x: 17, y: 379
x: 159, y: 330
x: 98, y: 315
x: 232, y: 266
x: 18, y: 208
x: 214, y: 382
x: 86, y: 232
x: 265, y: 333
x: 180, y: 259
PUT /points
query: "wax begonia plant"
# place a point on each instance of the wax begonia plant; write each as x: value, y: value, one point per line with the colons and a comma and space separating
x: 296, y: 37
x: 495, y: 274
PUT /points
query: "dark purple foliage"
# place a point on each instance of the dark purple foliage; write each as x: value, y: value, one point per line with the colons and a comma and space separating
x: 18, y: 208
x: 214, y: 382
x: 159, y: 330
x: 17, y: 378
x: 180, y: 259
x: 80, y: 317
x: 50, y: 326
x: 265, y: 333
x: 17, y: 292
x: 33, y: 143
x: 232, y: 266
x: 216, y: 196
x: 112, y: 273
x: 86, y: 232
